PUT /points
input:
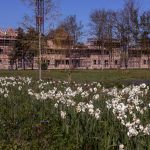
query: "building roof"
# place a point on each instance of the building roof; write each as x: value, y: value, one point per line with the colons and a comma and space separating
x: 8, y: 32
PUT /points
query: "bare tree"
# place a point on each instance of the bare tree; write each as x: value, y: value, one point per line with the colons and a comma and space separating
x: 145, y: 33
x: 110, y: 34
x: 73, y: 28
x: 98, y: 20
x: 127, y: 26
x: 51, y: 13
x: 101, y: 29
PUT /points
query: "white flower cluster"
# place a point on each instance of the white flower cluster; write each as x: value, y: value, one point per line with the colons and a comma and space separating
x: 89, y: 107
x: 6, y: 84
x: 68, y: 97
x: 4, y: 92
x: 128, y: 105
x: 121, y: 147
x: 63, y: 114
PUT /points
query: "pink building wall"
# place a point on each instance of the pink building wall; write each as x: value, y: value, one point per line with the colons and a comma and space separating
x: 80, y: 58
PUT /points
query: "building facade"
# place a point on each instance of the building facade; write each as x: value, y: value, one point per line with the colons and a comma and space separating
x: 7, y: 39
x: 61, y: 55
x: 92, y: 59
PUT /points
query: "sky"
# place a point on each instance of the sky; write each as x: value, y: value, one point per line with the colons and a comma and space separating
x: 12, y: 11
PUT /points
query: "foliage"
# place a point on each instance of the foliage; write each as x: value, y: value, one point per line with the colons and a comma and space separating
x: 60, y: 37
x: 26, y: 47
x: 44, y: 66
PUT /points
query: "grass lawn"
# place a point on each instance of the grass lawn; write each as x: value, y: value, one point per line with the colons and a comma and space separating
x: 106, y: 77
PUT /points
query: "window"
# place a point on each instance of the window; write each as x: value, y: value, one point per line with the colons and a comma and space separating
x: 62, y: 62
x: 1, y: 51
x: 144, y: 62
x: 107, y: 52
x: 48, y: 62
x: 116, y: 62
x: 0, y: 61
x: 106, y: 63
x: 67, y: 62
x: 99, y: 62
x: 94, y: 62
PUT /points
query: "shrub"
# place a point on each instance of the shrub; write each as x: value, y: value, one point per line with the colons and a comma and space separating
x: 44, y: 66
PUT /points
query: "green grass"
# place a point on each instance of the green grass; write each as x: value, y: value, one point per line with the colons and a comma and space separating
x: 106, y: 77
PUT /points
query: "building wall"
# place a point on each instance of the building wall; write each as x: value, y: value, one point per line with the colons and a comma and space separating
x: 7, y: 38
x: 62, y: 58
x: 60, y: 61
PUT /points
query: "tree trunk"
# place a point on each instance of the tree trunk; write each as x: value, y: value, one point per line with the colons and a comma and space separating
x: 16, y: 65
x: 32, y: 63
x: 24, y: 66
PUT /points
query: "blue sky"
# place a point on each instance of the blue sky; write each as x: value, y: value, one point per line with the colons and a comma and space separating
x: 12, y: 11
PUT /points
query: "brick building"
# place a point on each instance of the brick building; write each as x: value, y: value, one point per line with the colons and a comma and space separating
x: 59, y: 54
x: 7, y: 39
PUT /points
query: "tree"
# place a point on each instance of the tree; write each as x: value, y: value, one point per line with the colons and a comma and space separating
x: 145, y: 33
x: 73, y: 28
x: 43, y: 10
x: 60, y: 38
x: 50, y: 13
x: 25, y: 48
x: 109, y: 35
x: 16, y: 54
x: 127, y: 27
x: 31, y: 46
x: 101, y: 28
x: 98, y: 21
